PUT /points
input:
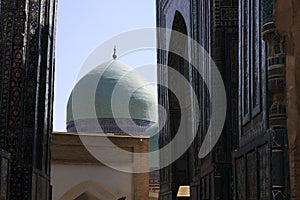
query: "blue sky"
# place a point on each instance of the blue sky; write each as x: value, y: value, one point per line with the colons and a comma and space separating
x: 82, y: 26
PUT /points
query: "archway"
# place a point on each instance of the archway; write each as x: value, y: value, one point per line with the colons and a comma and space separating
x: 180, y: 168
x: 88, y: 190
x: 87, y: 196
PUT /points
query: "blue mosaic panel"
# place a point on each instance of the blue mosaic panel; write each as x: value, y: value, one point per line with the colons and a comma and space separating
x: 267, y: 10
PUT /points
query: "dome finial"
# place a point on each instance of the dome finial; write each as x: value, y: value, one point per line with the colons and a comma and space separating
x: 115, y: 53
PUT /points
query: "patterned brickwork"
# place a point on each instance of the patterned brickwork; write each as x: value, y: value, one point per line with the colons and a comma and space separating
x: 213, y: 24
x: 256, y: 24
x: 276, y: 59
x: 109, y: 125
x: 24, y: 98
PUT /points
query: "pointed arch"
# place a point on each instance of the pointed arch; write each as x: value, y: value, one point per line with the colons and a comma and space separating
x: 177, y: 113
x: 179, y: 45
x: 87, y: 196
x: 91, y: 188
x: 179, y: 23
x: 177, y: 61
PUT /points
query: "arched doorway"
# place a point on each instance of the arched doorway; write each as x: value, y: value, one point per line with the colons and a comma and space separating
x: 87, y: 196
x: 88, y: 190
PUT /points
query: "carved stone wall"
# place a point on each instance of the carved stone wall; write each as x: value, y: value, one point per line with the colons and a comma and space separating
x: 26, y: 93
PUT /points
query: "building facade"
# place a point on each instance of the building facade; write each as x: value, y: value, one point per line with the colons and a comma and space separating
x: 214, y: 25
x: 27, y: 38
x: 255, y: 156
x: 77, y: 175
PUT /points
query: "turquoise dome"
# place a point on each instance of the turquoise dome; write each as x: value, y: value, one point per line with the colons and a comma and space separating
x: 106, y: 89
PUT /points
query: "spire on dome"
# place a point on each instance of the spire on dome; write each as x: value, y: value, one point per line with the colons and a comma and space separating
x: 115, y: 53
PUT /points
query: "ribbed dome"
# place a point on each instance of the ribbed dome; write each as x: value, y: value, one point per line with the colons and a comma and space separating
x: 91, y: 97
